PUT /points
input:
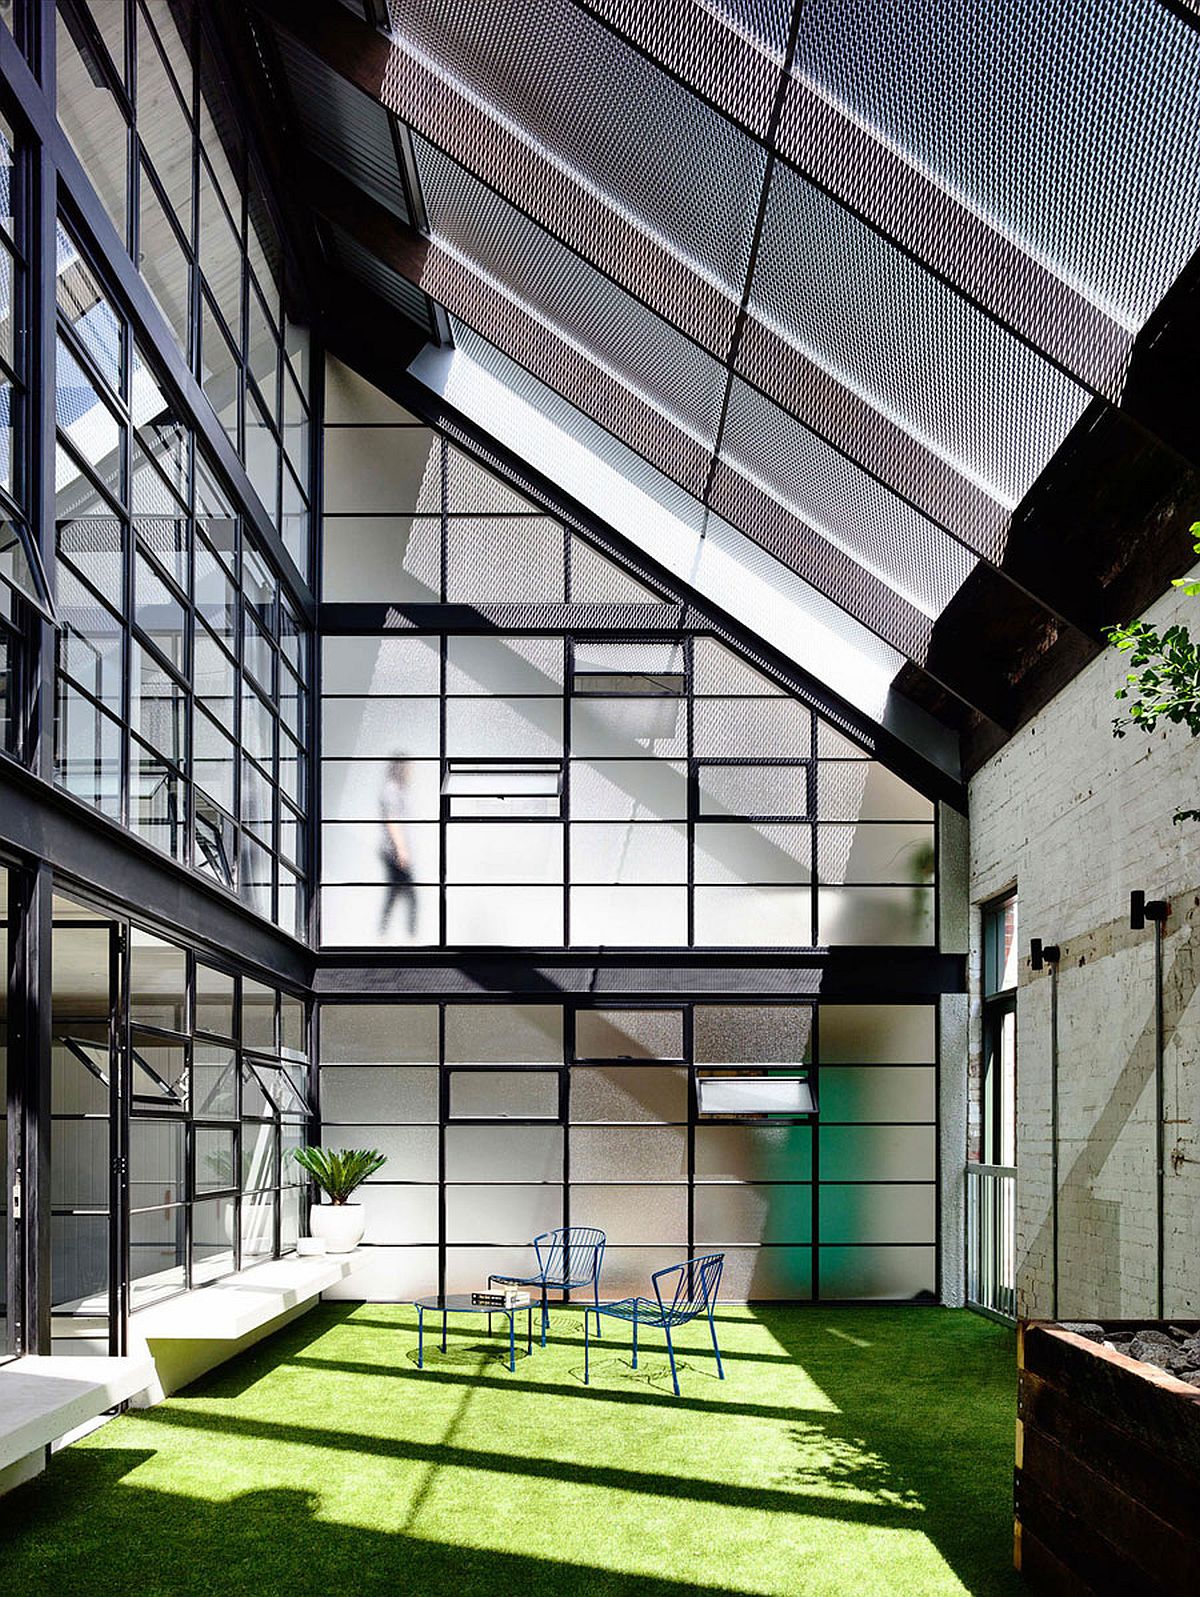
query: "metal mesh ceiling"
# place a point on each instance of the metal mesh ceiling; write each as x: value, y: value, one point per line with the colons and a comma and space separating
x: 848, y: 276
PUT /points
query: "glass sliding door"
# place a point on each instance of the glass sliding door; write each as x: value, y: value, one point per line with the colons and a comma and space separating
x: 11, y: 1316
x: 87, y: 1242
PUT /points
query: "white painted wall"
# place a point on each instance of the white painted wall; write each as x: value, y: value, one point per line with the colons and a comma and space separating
x: 1078, y: 819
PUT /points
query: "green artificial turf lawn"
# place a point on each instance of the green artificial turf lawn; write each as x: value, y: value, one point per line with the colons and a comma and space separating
x: 847, y: 1451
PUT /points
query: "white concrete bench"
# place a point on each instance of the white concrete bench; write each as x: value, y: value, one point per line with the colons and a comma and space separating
x: 43, y: 1399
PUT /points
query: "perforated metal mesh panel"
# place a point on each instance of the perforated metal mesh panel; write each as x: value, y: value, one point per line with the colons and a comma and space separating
x: 1073, y: 123
x: 344, y: 126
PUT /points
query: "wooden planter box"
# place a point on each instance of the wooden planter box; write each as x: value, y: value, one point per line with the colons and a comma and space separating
x: 1107, y: 1496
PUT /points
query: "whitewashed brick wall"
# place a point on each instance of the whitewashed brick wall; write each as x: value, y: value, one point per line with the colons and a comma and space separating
x: 1078, y: 819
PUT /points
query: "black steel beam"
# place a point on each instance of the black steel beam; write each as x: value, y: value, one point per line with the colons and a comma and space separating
x: 84, y: 848
x: 879, y: 974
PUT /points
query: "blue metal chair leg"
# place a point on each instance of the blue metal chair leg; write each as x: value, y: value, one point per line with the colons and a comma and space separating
x: 587, y: 1349
x: 420, y: 1339
x: 545, y: 1315
x: 599, y: 1332
x: 635, y: 1338
x: 716, y: 1349
x: 512, y: 1339
x: 529, y: 1329
x: 671, y: 1356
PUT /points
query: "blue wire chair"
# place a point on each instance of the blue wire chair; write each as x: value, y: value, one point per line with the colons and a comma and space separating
x: 691, y: 1293
x: 569, y: 1257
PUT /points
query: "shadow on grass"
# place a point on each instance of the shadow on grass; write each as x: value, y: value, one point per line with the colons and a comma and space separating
x: 84, y: 1531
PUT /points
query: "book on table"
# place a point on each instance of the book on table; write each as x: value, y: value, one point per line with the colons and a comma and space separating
x: 501, y: 1300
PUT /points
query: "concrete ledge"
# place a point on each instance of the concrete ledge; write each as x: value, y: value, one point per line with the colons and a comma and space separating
x: 42, y: 1398
x: 191, y: 1334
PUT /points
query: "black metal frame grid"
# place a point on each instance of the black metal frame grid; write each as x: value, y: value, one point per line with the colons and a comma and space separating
x: 573, y: 1190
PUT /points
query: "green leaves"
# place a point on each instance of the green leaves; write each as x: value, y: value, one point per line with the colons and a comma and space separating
x: 1164, y: 684
x: 338, y: 1171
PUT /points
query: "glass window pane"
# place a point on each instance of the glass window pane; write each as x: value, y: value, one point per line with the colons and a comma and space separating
x: 862, y: 790
x: 504, y: 1153
x: 389, y: 666
x: 157, y: 1254
x: 85, y: 419
x: 629, y: 852
x: 753, y: 1153
x: 162, y: 261
x: 497, y: 558
x: 629, y: 1034
x: 497, y: 851
x: 877, y: 853
x: 878, y: 1153
x: 258, y: 1226
x: 156, y: 802
x: 753, y: 917
x: 504, y: 1034
x: 214, y: 1083
x: 741, y: 1034
x: 503, y: 665
x: 629, y: 727
x: 87, y: 751
x: 623, y: 1153
x: 747, y: 1213
x: 879, y: 1214
x: 411, y: 1151
x: 399, y: 728
x: 628, y: 790
x: 157, y: 1163
x: 626, y: 1094
x: 499, y: 728
x: 159, y: 613
x: 754, y: 1095
x: 878, y: 1034
x: 379, y: 917
x: 503, y: 1095
x: 258, y: 1016
x: 780, y: 727
x: 633, y: 1214
x: 162, y: 124
x: 82, y: 303
x: 79, y: 1164
x: 379, y: 1033
x: 212, y: 1239
x: 753, y: 790
x: 896, y: 1273
x: 215, y: 1168
x: 630, y: 917
x: 737, y: 852
x: 378, y: 1094
x: 157, y: 981
x: 90, y: 643
x: 503, y: 1214
x: 382, y: 471
x: 521, y: 917
x: 95, y: 125
x: 892, y: 1092
x: 354, y: 790
x: 876, y: 915
x: 382, y: 558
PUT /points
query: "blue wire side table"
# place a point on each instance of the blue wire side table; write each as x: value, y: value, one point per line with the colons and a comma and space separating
x: 460, y: 1303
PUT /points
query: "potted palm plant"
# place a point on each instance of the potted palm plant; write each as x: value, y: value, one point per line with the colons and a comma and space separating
x: 338, y: 1172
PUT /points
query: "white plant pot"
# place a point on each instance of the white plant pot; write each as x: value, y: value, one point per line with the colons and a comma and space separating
x: 339, y: 1225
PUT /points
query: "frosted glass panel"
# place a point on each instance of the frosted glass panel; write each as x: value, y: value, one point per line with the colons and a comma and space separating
x: 862, y: 790
x: 899, y: 1273
x: 504, y: 1153
x: 512, y: 917
x: 629, y: 853
x: 780, y: 727
x: 353, y: 1034
x: 628, y: 790
x: 878, y: 1153
x: 498, y: 728
x: 878, y: 1214
x: 382, y: 469
x: 629, y: 917
x: 876, y: 915
x: 880, y: 852
x: 378, y: 917
x: 370, y: 1094
x: 467, y: 1270
x: 632, y: 1214
x: 717, y: 670
x: 494, y: 1213
x: 381, y: 559
x: 412, y: 1151
x: 753, y: 790
x: 503, y: 1095
x: 399, y: 1214
x: 505, y: 557
x: 388, y: 666
x: 753, y: 1153
x: 886, y: 1092
x: 629, y: 1153
x: 629, y: 726
x: 766, y: 1275
x: 741, y: 1034
x: 627, y: 1270
x: 497, y: 851
x: 356, y: 851
x: 363, y: 790
x: 628, y: 1093
x: 733, y: 851
x: 402, y: 729
x: 504, y: 1034
x: 628, y: 1034
x: 884, y: 1034
x: 389, y: 1275
x: 753, y: 917
x: 504, y: 665
x: 754, y: 1214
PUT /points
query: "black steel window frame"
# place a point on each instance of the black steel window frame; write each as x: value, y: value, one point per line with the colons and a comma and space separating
x: 569, y: 1186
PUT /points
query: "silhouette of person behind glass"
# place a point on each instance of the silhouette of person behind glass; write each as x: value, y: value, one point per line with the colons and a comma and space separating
x: 397, y: 859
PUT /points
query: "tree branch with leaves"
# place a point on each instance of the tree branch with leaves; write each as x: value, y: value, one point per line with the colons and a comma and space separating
x: 1164, y: 682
